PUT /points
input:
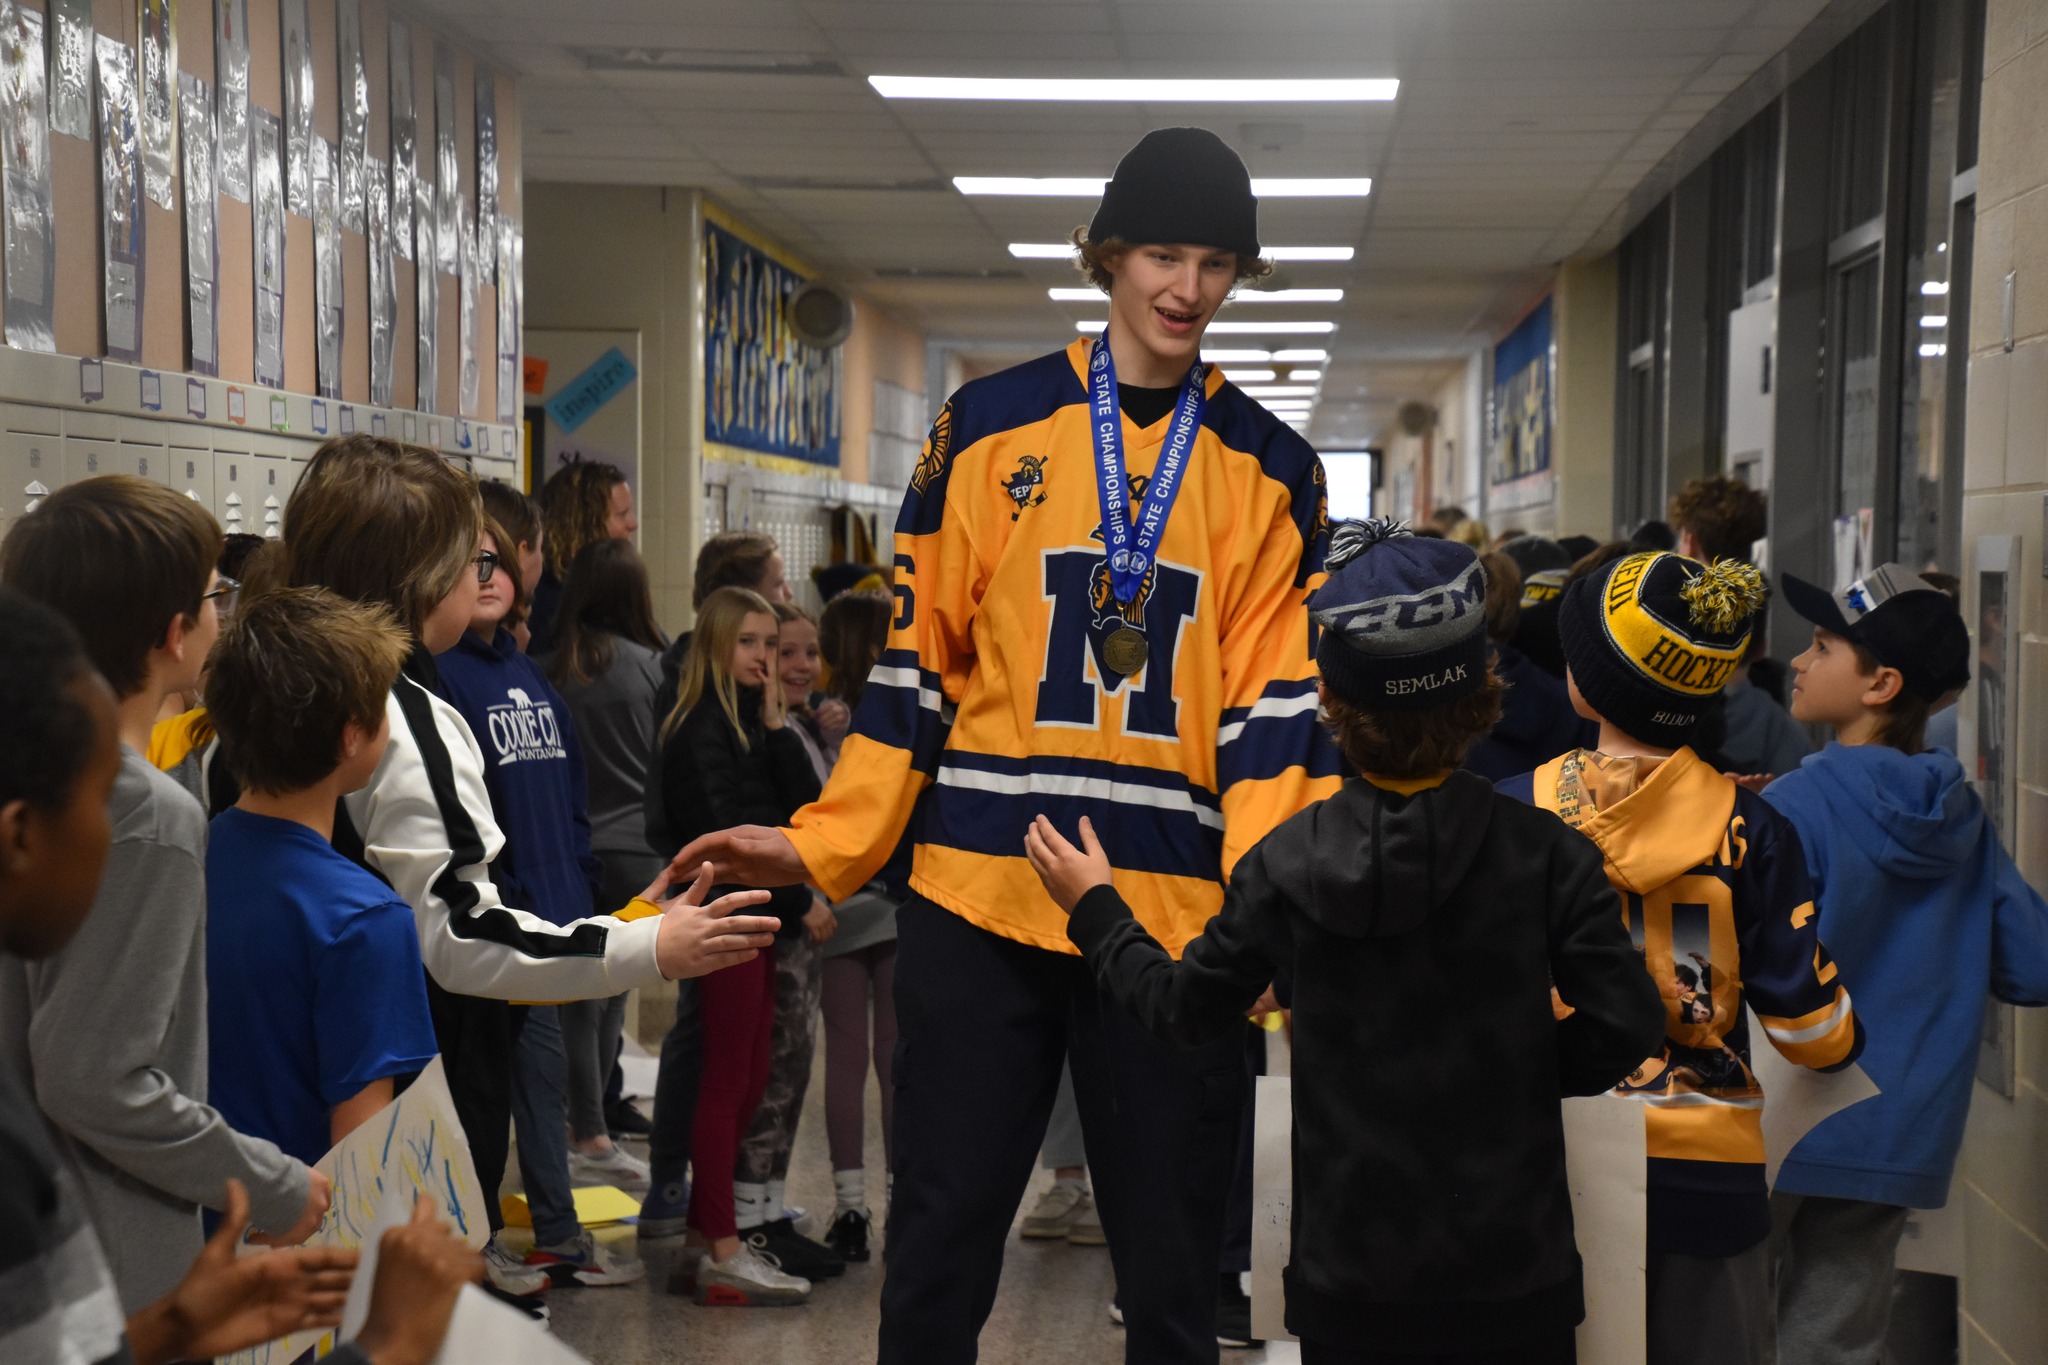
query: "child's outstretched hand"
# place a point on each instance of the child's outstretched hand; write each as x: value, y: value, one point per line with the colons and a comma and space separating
x: 1068, y: 872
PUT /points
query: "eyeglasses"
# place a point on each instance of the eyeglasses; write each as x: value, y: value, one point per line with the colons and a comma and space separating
x: 487, y: 562
x: 223, y: 586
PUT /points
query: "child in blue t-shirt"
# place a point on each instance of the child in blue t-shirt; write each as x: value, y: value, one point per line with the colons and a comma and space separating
x: 316, y: 999
x: 1923, y: 907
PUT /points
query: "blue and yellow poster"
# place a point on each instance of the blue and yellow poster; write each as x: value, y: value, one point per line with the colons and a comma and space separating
x: 765, y: 392
x: 1524, y: 375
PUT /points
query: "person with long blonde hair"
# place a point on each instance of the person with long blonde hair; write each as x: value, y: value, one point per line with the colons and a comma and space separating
x: 728, y: 753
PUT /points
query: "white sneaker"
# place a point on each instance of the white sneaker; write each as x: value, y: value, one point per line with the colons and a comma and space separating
x: 509, y: 1272
x: 1057, y: 1212
x: 747, y: 1279
x: 616, y: 1167
x: 585, y: 1260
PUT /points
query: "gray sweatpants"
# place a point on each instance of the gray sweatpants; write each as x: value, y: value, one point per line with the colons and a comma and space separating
x: 1709, y: 1310
x: 1833, y: 1260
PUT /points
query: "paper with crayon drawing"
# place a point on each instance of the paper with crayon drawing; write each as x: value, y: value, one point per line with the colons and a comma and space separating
x: 415, y: 1143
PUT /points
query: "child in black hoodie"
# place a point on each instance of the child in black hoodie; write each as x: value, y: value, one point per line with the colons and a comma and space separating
x: 1422, y: 920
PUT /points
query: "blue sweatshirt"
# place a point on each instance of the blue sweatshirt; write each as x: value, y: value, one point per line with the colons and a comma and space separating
x: 1927, y: 915
x: 533, y: 768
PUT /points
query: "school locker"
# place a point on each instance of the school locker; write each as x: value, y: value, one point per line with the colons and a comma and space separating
x: 191, y: 473
x: 31, y: 468
x: 235, y: 499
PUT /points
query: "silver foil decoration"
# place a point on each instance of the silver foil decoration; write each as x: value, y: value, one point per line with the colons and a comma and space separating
x: 427, y: 282
x: 30, y: 230
x: 447, y: 175
x: 157, y: 96
x: 487, y: 174
x: 404, y: 138
x: 383, y: 285
x: 327, y: 286
x: 202, y: 224
x: 508, y: 319
x: 71, y: 68
x: 266, y: 185
x: 231, y: 95
x: 121, y: 200
x: 355, y: 111
x: 466, y: 320
x: 295, y: 38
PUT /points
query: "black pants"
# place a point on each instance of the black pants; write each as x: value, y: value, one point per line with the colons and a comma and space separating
x: 1556, y: 1348
x: 477, y: 1037
x: 1237, y: 1215
x: 984, y: 1024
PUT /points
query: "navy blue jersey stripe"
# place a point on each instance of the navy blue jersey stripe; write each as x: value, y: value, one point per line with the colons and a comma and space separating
x: 1055, y: 765
x: 1270, y: 745
x: 1282, y: 689
x: 1144, y: 838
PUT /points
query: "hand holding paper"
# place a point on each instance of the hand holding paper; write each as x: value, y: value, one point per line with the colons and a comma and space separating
x: 421, y: 1269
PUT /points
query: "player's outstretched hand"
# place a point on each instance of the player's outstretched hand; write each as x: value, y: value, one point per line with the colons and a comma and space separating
x: 752, y: 855
x: 1069, y: 873
x: 228, y: 1303
x: 697, y: 939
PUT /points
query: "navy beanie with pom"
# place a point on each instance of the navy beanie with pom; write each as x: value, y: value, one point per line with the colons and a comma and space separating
x: 1403, y: 618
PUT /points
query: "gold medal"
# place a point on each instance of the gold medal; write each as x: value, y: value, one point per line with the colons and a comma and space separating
x: 1125, y: 650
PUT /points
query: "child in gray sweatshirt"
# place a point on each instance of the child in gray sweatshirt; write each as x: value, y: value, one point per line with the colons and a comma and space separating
x: 109, y: 1033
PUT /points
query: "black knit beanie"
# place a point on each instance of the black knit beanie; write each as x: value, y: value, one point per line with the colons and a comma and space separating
x: 1403, y: 618
x: 1180, y: 185
x: 1650, y: 638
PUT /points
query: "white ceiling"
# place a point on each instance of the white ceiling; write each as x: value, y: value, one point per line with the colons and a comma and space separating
x: 1520, y: 128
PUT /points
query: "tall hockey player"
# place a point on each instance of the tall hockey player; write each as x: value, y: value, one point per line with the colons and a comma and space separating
x: 1101, y: 571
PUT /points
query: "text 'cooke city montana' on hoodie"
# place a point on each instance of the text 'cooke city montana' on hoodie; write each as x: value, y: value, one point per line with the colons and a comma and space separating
x: 1928, y: 916
x: 1421, y: 930
x: 1718, y: 903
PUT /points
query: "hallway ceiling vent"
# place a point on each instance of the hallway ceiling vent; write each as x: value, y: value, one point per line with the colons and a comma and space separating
x: 698, y: 62
x: 1417, y: 419
x: 820, y: 315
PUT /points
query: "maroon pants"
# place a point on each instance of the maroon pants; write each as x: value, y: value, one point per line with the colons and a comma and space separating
x: 737, y: 1006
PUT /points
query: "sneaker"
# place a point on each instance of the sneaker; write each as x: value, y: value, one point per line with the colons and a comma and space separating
x: 848, y: 1234
x: 748, y: 1280
x: 794, y: 1252
x: 682, y: 1280
x: 508, y: 1273
x: 1234, y: 1316
x: 1116, y: 1308
x: 585, y: 1260
x: 1086, y: 1230
x: 798, y: 1217
x: 625, y: 1120
x: 665, y: 1212
x: 616, y: 1167
x: 1053, y: 1219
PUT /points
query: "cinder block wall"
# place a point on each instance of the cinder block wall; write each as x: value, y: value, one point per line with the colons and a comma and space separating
x: 2002, y: 1187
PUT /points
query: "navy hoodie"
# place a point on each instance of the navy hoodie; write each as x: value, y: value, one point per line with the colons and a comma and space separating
x: 533, y: 769
x: 1927, y: 916
x: 1536, y: 722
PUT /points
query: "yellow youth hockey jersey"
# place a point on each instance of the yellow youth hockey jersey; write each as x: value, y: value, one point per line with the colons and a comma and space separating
x: 994, y: 702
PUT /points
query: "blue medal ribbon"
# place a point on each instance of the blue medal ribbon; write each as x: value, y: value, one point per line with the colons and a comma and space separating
x: 1129, y: 550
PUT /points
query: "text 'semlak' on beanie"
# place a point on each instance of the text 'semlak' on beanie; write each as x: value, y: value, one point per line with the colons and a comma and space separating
x: 1402, y: 618
x: 1649, y: 638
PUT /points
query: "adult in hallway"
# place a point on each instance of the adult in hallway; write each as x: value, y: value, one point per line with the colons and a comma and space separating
x: 1158, y: 681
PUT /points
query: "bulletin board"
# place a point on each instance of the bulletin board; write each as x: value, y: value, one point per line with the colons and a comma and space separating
x: 1524, y: 407
x: 769, y: 399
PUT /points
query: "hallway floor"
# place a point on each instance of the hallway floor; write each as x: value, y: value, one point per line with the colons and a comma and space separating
x: 1053, y: 1307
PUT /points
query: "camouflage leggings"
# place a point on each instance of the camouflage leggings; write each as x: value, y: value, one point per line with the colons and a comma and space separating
x: 799, y: 979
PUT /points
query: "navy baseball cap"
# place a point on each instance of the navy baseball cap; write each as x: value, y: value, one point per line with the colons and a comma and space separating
x: 1904, y: 622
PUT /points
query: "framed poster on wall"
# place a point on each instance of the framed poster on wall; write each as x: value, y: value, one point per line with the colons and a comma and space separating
x: 1524, y: 388
x: 765, y: 392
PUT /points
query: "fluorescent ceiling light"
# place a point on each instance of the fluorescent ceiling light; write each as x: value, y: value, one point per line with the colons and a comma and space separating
x: 1174, y: 91
x: 1282, y: 390
x: 1934, y: 320
x: 1285, y: 404
x: 1090, y: 294
x: 1303, y: 376
x: 1237, y: 357
x: 1312, y: 356
x: 1242, y: 328
x: 1934, y: 287
x: 1250, y: 376
x: 1931, y: 349
x: 1061, y: 251
x: 1090, y: 187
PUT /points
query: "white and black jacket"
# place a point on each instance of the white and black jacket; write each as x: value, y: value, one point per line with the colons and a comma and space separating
x: 424, y: 825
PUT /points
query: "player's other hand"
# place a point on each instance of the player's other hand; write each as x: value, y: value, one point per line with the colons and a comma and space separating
x: 1069, y: 873
x: 749, y: 855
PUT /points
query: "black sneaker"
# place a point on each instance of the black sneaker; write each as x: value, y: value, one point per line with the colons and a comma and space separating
x: 797, y: 1254
x: 848, y: 1235
x: 1234, y: 1315
x: 623, y: 1120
